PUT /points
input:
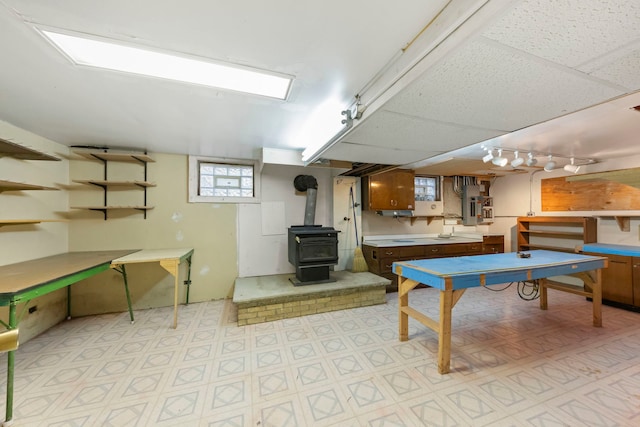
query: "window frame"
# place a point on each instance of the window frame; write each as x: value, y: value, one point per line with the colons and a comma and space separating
x: 194, y: 180
x: 438, y: 181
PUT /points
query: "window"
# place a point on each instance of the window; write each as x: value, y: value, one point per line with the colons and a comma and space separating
x: 223, y: 180
x: 427, y: 188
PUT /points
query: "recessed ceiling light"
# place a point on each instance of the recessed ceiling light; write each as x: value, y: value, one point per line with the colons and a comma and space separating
x: 136, y: 60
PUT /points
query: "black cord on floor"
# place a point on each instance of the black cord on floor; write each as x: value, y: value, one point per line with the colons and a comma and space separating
x: 527, y: 291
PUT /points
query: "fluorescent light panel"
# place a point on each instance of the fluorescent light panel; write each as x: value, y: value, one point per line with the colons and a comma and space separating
x: 112, y: 56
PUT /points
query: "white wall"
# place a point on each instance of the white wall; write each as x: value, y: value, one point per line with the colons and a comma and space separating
x: 21, y: 243
x: 262, y: 228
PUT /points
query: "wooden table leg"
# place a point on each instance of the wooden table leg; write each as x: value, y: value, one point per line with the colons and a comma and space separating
x: 543, y: 294
x: 596, y: 287
x: 403, y: 318
x: 444, y: 332
x: 172, y: 266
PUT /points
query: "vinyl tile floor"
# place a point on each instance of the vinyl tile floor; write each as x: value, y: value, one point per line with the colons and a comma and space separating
x: 512, y: 365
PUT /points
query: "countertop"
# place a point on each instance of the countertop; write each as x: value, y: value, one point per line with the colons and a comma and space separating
x: 605, y: 248
x: 419, y: 240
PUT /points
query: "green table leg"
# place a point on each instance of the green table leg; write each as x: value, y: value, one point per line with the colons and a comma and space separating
x: 122, y: 270
x: 188, y: 281
x: 10, y: 366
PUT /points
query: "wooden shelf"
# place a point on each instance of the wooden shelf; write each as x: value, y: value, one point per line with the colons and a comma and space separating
x: 107, y: 156
x: 17, y: 151
x: 21, y: 186
x: 555, y: 233
x: 112, y: 208
x: 107, y: 183
x: 4, y: 222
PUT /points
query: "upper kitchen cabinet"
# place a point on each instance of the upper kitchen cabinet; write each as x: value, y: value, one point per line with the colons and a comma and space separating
x: 393, y: 190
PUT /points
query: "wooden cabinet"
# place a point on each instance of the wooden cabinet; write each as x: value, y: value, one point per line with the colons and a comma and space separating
x: 556, y: 233
x: 105, y: 184
x: 636, y: 281
x: 621, y: 280
x: 492, y: 244
x: 393, y: 190
x: 380, y: 259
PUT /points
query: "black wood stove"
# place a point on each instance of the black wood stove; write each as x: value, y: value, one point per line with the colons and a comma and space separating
x: 313, y: 249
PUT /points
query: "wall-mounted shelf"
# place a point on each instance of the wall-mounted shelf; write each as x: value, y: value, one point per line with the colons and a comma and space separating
x: 4, y: 222
x: 105, y: 209
x: 17, y: 151
x: 555, y: 233
x: 21, y: 186
x: 108, y: 156
x: 105, y: 183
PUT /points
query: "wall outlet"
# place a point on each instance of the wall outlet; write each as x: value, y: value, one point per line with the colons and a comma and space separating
x: 531, y: 214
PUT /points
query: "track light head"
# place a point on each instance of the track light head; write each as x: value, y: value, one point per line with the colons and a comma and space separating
x: 500, y: 161
x: 571, y: 167
x: 488, y: 157
x: 517, y: 160
x: 531, y: 161
x: 551, y: 165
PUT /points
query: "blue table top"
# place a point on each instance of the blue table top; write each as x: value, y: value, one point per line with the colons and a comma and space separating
x: 606, y: 248
x: 478, y: 270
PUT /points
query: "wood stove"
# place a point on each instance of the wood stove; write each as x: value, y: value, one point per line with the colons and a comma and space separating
x: 313, y: 249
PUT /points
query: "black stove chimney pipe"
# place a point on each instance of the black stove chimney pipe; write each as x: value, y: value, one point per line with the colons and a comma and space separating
x: 308, y: 184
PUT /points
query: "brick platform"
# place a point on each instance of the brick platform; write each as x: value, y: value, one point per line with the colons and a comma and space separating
x: 266, y: 298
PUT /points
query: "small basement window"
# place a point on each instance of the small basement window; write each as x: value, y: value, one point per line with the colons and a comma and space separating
x: 427, y: 188
x: 216, y: 180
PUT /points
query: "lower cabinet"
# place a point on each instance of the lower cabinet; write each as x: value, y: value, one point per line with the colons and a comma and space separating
x: 380, y: 259
x: 621, y: 280
x: 492, y: 244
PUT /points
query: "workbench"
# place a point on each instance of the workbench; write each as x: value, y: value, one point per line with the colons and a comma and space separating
x: 24, y: 281
x: 454, y: 275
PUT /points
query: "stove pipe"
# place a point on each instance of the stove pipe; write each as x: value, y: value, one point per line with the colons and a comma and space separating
x: 308, y: 184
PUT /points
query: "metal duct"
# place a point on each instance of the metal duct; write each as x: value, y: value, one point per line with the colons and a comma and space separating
x: 308, y: 184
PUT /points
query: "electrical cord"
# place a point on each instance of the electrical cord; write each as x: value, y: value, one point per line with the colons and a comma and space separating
x: 527, y: 291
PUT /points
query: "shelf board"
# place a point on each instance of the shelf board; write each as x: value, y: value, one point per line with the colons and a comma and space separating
x: 17, y: 151
x: 112, y: 208
x: 569, y: 234
x: 4, y: 222
x: 108, y: 183
x: 20, y: 186
x: 116, y: 156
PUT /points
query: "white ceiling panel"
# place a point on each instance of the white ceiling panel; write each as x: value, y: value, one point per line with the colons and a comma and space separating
x: 569, y: 32
x: 486, y: 85
x: 624, y: 71
x: 385, y: 155
x: 390, y: 129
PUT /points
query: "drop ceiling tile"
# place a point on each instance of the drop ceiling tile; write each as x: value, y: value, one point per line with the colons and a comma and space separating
x: 371, y: 154
x: 487, y: 85
x: 568, y: 32
x: 393, y: 130
x: 623, y: 71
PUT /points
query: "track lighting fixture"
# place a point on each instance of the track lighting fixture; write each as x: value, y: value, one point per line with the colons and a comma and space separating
x: 487, y: 158
x: 500, y: 161
x: 531, y: 161
x: 517, y: 160
x: 572, y: 167
x: 551, y: 165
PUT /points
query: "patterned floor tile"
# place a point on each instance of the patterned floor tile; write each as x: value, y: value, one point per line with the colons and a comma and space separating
x: 343, y: 369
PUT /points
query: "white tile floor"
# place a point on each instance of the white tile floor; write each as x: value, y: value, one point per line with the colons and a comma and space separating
x: 512, y: 365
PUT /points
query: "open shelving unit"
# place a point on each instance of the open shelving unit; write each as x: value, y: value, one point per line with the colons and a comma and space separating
x: 105, y: 156
x: 556, y: 233
x: 20, y: 152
